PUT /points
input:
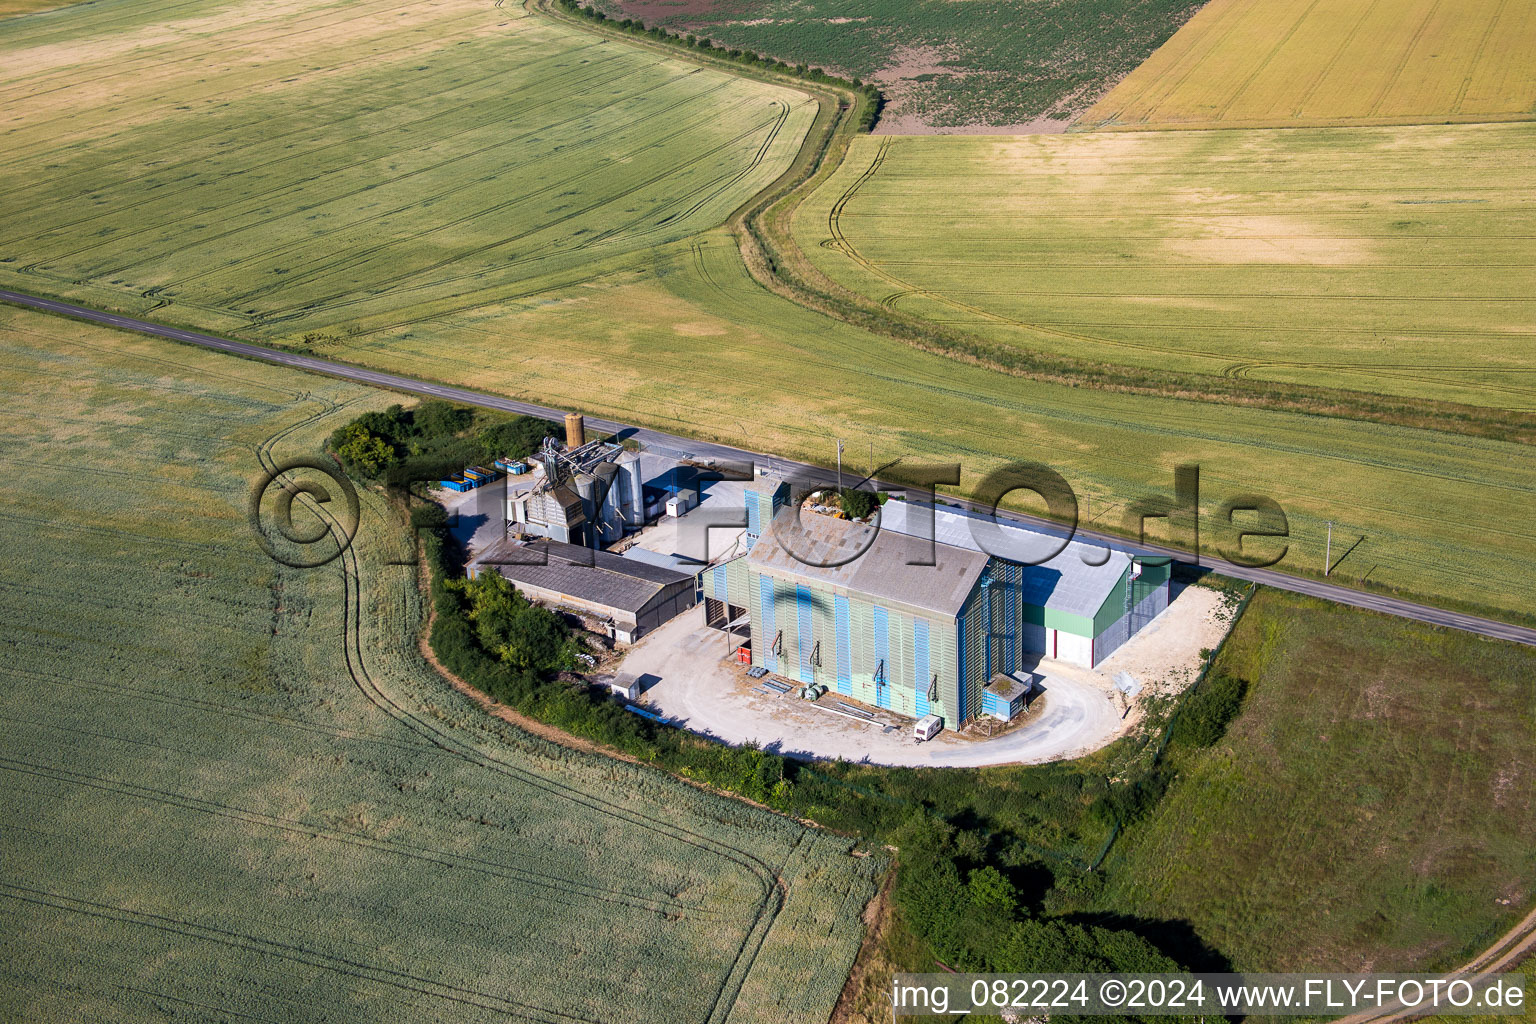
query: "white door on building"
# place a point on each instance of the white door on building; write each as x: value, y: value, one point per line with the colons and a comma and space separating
x: 1074, y: 649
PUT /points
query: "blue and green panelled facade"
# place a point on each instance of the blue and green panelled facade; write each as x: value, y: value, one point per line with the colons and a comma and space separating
x: 917, y: 639
x: 879, y: 652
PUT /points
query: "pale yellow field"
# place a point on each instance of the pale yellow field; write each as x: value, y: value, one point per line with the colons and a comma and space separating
x: 1260, y: 63
x: 11, y: 8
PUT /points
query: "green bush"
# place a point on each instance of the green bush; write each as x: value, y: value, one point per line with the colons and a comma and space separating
x: 442, y: 419
x: 515, y: 439
x: 428, y: 517
x: 520, y: 633
x: 361, y: 451
x: 858, y: 504
x: 434, y: 441
x: 1206, y: 711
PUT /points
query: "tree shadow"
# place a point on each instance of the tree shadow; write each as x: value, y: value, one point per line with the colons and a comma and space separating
x: 1176, y: 939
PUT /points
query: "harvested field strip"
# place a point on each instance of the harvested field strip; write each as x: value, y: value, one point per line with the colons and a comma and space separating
x: 1277, y: 63
x: 692, y: 345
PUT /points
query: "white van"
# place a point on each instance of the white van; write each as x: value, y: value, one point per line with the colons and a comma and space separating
x: 927, y: 728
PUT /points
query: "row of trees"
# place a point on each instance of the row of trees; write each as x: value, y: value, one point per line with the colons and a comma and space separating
x: 869, y: 113
x: 434, y: 438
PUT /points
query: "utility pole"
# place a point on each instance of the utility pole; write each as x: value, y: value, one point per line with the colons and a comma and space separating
x: 839, y: 467
x: 1328, y: 551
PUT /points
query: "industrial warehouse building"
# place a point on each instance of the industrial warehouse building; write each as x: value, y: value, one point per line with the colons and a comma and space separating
x: 915, y: 621
x: 633, y: 597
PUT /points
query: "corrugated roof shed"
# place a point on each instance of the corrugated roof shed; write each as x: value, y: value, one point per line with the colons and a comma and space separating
x: 676, y: 563
x: 859, y: 559
x: 1067, y: 582
x: 599, y: 577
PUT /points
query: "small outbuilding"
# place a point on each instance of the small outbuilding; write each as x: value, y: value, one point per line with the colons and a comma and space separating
x: 1004, y: 697
x: 625, y: 685
x: 633, y: 597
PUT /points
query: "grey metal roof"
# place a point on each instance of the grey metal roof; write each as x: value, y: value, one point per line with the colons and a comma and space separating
x: 874, y: 563
x: 599, y: 577
x: 676, y: 563
x: 1066, y: 582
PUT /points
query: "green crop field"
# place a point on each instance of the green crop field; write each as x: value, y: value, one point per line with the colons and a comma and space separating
x: 1256, y: 63
x: 943, y: 65
x: 1376, y: 793
x: 1386, y: 260
x: 671, y: 334
x: 234, y: 790
x: 288, y: 167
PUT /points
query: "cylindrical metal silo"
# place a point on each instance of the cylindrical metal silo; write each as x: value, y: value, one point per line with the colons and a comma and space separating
x: 575, y: 430
x: 632, y: 484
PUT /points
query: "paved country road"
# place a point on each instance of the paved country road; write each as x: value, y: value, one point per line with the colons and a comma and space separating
x: 718, y: 452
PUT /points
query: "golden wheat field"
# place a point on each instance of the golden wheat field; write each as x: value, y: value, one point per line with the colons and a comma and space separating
x: 1259, y: 63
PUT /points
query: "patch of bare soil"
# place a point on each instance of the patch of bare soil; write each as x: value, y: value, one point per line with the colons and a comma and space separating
x: 1165, y: 656
x: 911, y: 124
x: 652, y: 10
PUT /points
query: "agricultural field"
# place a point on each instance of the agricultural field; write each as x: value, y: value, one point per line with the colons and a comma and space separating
x: 1376, y: 793
x: 1394, y: 261
x: 684, y: 340
x: 669, y: 334
x: 1288, y: 63
x: 944, y: 66
x: 235, y: 790
x: 11, y: 8
x: 348, y: 166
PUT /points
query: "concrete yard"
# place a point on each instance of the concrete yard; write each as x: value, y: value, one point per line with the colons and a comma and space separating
x: 691, y: 683
x: 478, y: 518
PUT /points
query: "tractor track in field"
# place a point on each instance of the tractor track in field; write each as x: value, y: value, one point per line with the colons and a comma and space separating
x: 352, y: 260
x: 1397, y: 72
x: 771, y: 883
x: 309, y: 154
x: 289, y: 951
x: 1477, y: 56
x: 479, y: 125
x: 547, y: 887
x: 1508, y: 951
